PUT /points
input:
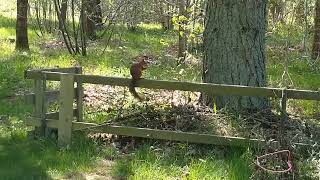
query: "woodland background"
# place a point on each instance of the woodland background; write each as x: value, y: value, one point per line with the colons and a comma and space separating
x: 104, y: 37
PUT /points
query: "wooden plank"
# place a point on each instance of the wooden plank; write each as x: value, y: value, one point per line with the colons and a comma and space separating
x: 36, y: 122
x: 284, y: 118
x: 164, y: 134
x: 55, y: 115
x: 36, y: 74
x: 61, y: 70
x: 79, y: 96
x: 51, y: 96
x: 159, y: 134
x: 178, y: 136
x: 45, y: 105
x: 171, y: 135
x: 217, y: 89
x: 39, y: 106
x: 65, y: 109
x: 27, y: 98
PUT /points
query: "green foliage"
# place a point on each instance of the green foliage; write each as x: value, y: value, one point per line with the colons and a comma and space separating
x: 285, y: 32
x: 193, y: 31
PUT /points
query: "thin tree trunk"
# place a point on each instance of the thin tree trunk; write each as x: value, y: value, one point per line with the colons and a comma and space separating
x: 305, y: 34
x: 316, y: 38
x: 98, y: 13
x: 90, y: 22
x: 38, y: 17
x: 234, y: 50
x: 169, y: 17
x: 63, y: 29
x: 195, y: 11
x: 83, y: 26
x: 50, y: 21
x: 22, y: 25
x: 44, y: 13
x: 132, y: 16
x: 75, y: 30
x: 162, y: 18
x: 182, y: 34
x: 63, y: 12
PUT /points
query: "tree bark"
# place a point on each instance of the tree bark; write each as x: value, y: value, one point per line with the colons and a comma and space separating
x: 50, y: 19
x: 182, y: 34
x: 98, y: 13
x: 90, y: 22
x: 75, y: 30
x: 83, y: 28
x: 63, y: 29
x: 133, y: 16
x: 234, y: 50
x: 277, y: 9
x: 165, y: 14
x: 63, y: 11
x: 161, y: 11
x: 316, y: 38
x: 37, y: 9
x: 22, y: 25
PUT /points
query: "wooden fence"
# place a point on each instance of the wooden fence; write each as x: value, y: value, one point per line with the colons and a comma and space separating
x: 64, y: 119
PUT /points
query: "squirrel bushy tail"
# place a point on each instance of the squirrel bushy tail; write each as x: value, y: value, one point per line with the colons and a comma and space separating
x: 133, y: 90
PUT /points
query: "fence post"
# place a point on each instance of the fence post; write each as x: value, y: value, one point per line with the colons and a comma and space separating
x: 65, y: 109
x: 79, y: 95
x: 40, y: 107
x: 284, y: 117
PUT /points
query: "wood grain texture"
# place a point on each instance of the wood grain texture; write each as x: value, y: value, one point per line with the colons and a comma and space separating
x: 65, y: 109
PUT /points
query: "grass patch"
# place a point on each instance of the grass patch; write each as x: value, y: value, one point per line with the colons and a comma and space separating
x: 21, y: 157
x: 184, y: 161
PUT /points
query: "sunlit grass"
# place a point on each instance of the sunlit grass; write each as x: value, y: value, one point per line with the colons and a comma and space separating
x: 303, y: 75
x: 183, y: 161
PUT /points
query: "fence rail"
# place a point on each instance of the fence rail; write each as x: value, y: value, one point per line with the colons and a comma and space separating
x: 64, y: 119
x: 217, y: 89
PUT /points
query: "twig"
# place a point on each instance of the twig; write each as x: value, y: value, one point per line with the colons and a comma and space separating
x: 108, y: 41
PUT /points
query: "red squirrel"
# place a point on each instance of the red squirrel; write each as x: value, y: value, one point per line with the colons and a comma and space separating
x: 136, y: 73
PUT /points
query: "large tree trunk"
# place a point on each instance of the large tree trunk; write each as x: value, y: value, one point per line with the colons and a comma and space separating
x: 316, y: 39
x: 22, y: 25
x: 234, y: 50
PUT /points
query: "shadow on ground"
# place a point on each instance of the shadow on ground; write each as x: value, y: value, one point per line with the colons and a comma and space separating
x: 24, y: 158
x: 18, y: 161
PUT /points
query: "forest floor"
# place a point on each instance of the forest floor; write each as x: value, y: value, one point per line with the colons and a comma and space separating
x: 102, y: 156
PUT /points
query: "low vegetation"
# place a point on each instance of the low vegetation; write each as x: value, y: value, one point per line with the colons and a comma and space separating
x: 116, y: 157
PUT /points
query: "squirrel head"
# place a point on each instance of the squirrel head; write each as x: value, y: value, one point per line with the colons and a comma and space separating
x: 143, y: 60
x: 143, y: 63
